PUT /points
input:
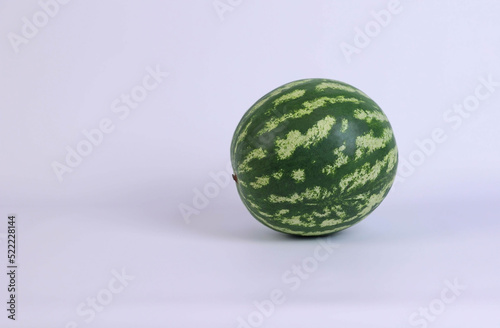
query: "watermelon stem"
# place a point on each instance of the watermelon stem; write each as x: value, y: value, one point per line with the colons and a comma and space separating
x: 235, y: 178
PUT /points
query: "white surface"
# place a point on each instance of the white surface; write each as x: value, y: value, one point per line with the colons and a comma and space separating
x: 118, y: 210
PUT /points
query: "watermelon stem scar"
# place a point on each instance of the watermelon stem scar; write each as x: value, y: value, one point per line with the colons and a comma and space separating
x: 235, y: 178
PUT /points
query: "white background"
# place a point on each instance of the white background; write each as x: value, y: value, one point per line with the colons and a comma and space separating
x: 118, y: 210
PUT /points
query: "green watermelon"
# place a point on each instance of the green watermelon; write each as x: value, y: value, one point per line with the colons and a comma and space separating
x: 313, y: 157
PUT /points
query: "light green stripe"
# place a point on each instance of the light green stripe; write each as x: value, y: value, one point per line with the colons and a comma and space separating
x: 368, y: 115
x: 392, y: 159
x: 367, y: 143
x: 243, y: 134
x: 366, y: 173
x: 345, y: 125
x: 334, y: 86
x: 314, y: 193
x: 307, y: 108
x: 331, y: 222
x: 278, y: 175
x: 289, y: 96
x: 294, y: 139
x: 258, y: 153
x: 338, y: 86
x: 274, y: 93
x: 371, y: 201
x: 298, y: 175
x: 298, y: 222
x: 342, y: 159
x: 282, y: 212
x: 260, y: 182
x: 326, y: 212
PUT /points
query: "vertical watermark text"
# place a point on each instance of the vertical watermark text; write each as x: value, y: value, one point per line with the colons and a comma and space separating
x: 12, y: 268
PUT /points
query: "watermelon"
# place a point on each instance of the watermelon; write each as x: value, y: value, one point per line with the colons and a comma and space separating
x: 313, y: 157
